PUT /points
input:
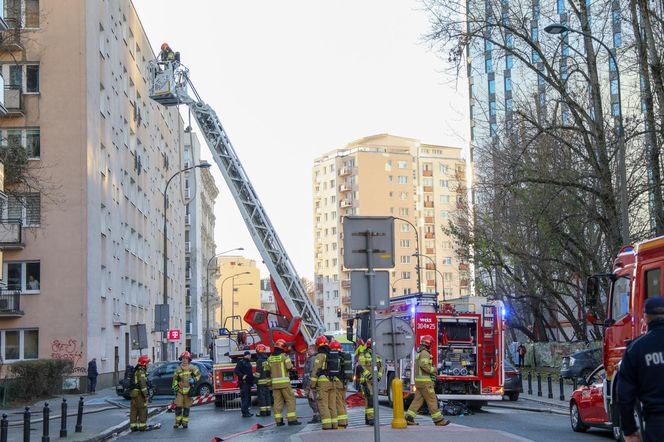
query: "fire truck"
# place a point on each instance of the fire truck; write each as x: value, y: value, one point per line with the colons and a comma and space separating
x: 636, y: 276
x: 467, y: 350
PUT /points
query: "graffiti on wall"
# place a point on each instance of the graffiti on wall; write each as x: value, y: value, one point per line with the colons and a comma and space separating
x: 68, y: 349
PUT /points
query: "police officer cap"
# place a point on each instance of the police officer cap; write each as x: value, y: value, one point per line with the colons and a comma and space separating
x: 655, y: 306
x: 247, y: 352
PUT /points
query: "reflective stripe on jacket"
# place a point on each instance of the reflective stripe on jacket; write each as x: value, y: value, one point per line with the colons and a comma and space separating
x: 424, y: 371
x: 277, y: 367
x: 320, y: 364
x: 181, y: 378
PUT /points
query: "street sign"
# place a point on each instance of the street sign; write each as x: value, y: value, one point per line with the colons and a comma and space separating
x: 355, y: 241
x: 139, y: 336
x: 161, y: 315
x: 174, y: 335
x: 394, y: 338
x: 359, y: 290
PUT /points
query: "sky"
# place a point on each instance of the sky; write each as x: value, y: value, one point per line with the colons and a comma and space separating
x: 291, y: 80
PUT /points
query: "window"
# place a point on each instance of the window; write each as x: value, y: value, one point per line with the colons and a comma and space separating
x: 493, y: 129
x: 405, y: 275
x: 31, y: 13
x: 403, y: 196
x: 405, y: 259
x: 620, y: 298
x: 653, y: 283
x: 444, y: 168
x: 492, y: 109
x: 535, y: 56
x: 488, y: 45
x: 509, y: 40
x: 492, y: 86
x: 16, y: 345
x: 508, y: 84
x: 390, y: 178
x: 405, y: 243
x: 388, y: 165
x: 27, y: 138
x: 403, y: 211
x: 403, y: 179
x: 447, y: 260
x: 405, y: 227
x: 22, y: 76
x: 443, y: 183
x: 509, y: 61
x: 444, y: 214
x: 534, y: 33
x: 508, y: 105
x: 561, y: 6
x: 402, y: 164
x: 23, y: 276
x: 488, y: 65
x: 32, y: 78
x: 617, y: 39
x: 444, y: 199
x: 614, y: 87
x: 23, y: 12
x: 615, y: 109
x: 25, y: 207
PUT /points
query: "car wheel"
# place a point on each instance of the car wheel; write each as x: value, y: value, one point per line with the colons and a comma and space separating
x: 575, y: 419
x: 514, y: 396
x: 203, y: 390
x: 389, y: 389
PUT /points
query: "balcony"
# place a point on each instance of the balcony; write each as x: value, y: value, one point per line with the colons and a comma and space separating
x: 430, y: 266
x: 10, y: 305
x: 428, y: 189
x: 345, y: 171
x: 187, y: 247
x: 429, y: 235
x: 427, y: 172
x: 11, y: 234
x: 464, y: 267
x: 428, y: 220
x: 14, y: 102
x: 345, y: 204
x: 431, y: 283
x: 10, y: 40
x: 345, y: 284
x: 187, y: 220
x: 345, y: 188
x: 345, y: 299
x: 345, y: 316
x: 464, y: 282
x: 428, y: 204
x: 429, y: 251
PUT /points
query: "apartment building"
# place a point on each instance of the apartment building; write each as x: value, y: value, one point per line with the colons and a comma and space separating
x: 267, y: 296
x: 90, y: 261
x: 200, y: 192
x: 239, y: 285
x: 421, y: 185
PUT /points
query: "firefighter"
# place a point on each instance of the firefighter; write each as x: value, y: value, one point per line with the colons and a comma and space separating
x: 338, y: 377
x: 138, y: 415
x: 263, y: 390
x: 277, y: 367
x: 425, y: 373
x: 366, y: 377
x: 166, y: 53
x: 323, y: 384
x: 186, y: 375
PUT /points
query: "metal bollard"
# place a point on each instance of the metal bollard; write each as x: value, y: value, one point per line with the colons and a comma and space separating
x: 562, y: 388
x: 63, y: 418
x: 549, y: 386
x: 45, y: 426
x: 79, y: 417
x: 4, y: 428
x: 26, y: 425
x: 539, y: 384
x: 530, y: 383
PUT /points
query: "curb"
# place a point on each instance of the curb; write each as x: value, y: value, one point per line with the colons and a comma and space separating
x: 551, y: 410
x: 119, y: 428
x: 58, y: 416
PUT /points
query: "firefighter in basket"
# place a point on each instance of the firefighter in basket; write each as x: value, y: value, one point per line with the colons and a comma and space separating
x: 425, y: 374
x: 366, y: 377
x: 186, y: 375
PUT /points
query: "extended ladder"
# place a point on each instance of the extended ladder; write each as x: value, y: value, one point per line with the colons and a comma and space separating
x: 489, y: 339
x: 169, y: 87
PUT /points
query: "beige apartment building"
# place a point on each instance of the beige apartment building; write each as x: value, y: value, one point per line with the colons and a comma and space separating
x: 423, y: 185
x: 90, y: 261
x: 239, y: 285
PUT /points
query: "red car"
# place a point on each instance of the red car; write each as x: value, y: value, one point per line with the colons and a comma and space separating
x: 586, y: 407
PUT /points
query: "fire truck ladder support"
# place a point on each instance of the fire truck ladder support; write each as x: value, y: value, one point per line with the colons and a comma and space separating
x: 255, y: 217
x: 489, y: 337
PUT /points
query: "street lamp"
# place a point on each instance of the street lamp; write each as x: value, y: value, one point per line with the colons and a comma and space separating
x: 221, y: 289
x: 202, y: 165
x: 558, y: 28
x: 207, y: 292
x: 395, y: 281
x: 435, y: 280
x: 233, y: 290
x: 417, y: 251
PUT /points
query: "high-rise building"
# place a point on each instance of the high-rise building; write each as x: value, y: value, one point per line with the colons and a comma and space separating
x: 421, y: 185
x: 90, y: 263
x: 239, y: 285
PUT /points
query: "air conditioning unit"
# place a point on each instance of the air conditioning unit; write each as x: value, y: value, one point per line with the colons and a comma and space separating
x: 187, y: 246
x: 187, y: 220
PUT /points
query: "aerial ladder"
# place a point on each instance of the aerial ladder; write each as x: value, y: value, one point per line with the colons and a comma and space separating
x: 169, y: 86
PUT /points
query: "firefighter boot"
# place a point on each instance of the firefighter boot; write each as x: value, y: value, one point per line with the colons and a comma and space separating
x: 441, y: 423
x: 410, y: 420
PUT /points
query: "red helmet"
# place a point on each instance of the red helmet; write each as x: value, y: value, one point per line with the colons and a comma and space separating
x: 369, y: 342
x: 165, y: 46
x: 260, y: 348
x: 185, y: 354
x: 426, y: 340
x: 143, y: 360
x: 335, y: 345
x: 322, y: 340
x: 359, y: 343
x: 280, y: 344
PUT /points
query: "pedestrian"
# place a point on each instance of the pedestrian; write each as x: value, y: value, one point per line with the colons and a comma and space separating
x: 336, y: 368
x: 278, y: 366
x: 521, y: 353
x: 138, y: 412
x: 640, y: 378
x: 322, y: 383
x: 184, y: 379
x: 366, y: 378
x: 245, y: 379
x: 425, y: 374
x: 262, y: 389
x: 92, y: 376
x: 306, y: 384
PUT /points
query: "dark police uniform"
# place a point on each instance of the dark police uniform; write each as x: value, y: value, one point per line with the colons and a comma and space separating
x: 641, y: 377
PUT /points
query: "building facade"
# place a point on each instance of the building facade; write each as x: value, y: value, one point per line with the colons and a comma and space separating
x: 239, y: 285
x: 421, y: 185
x: 92, y: 231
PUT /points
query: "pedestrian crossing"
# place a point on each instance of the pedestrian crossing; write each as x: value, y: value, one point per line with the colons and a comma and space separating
x: 356, y: 419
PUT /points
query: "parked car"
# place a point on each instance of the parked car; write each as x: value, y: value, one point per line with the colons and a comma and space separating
x: 160, y: 376
x: 513, y: 382
x: 581, y: 363
x: 586, y: 407
x: 207, y: 362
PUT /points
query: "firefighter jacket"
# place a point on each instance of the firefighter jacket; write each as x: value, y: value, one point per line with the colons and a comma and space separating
x: 423, y: 368
x: 261, y: 375
x: 141, y: 380
x: 365, y: 363
x: 319, y: 372
x: 277, y: 366
x: 185, y: 377
x: 167, y: 55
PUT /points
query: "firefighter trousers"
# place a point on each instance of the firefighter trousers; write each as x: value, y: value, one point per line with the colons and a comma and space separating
x: 424, y: 392
x: 138, y: 413
x: 367, y: 391
x: 264, y: 402
x: 284, y: 396
x: 340, y: 402
x: 327, y: 402
x: 182, y: 407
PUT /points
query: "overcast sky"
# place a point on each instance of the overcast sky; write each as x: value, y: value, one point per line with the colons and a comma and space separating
x: 291, y: 80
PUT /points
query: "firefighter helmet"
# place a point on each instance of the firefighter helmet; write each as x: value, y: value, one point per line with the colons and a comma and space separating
x: 335, y: 345
x: 280, y: 343
x: 426, y: 341
x: 321, y: 341
x: 143, y: 360
x: 185, y: 354
x: 164, y: 46
x: 369, y: 342
x: 261, y: 348
x: 359, y: 343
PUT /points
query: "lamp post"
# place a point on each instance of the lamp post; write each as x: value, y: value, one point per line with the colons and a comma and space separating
x: 558, y: 28
x: 202, y: 165
x: 435, y: 281
x: 207, y: 293
x: 417, y: 251
x: 233, y: 290
x: 395, y: 281
x: 221, y: 289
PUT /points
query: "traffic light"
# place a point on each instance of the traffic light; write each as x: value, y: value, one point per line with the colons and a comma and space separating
x: 338, y: 312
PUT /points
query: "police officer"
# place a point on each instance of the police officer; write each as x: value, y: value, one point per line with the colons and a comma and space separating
x: 366, y: 383
x: 640, y: 378
x: 245, y: 379
x: 277, y: 367
x: 324, y: 386
x: 138, y: 413
x: 184, y: 378
x: 262, y: 389
x: 425, y: 372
